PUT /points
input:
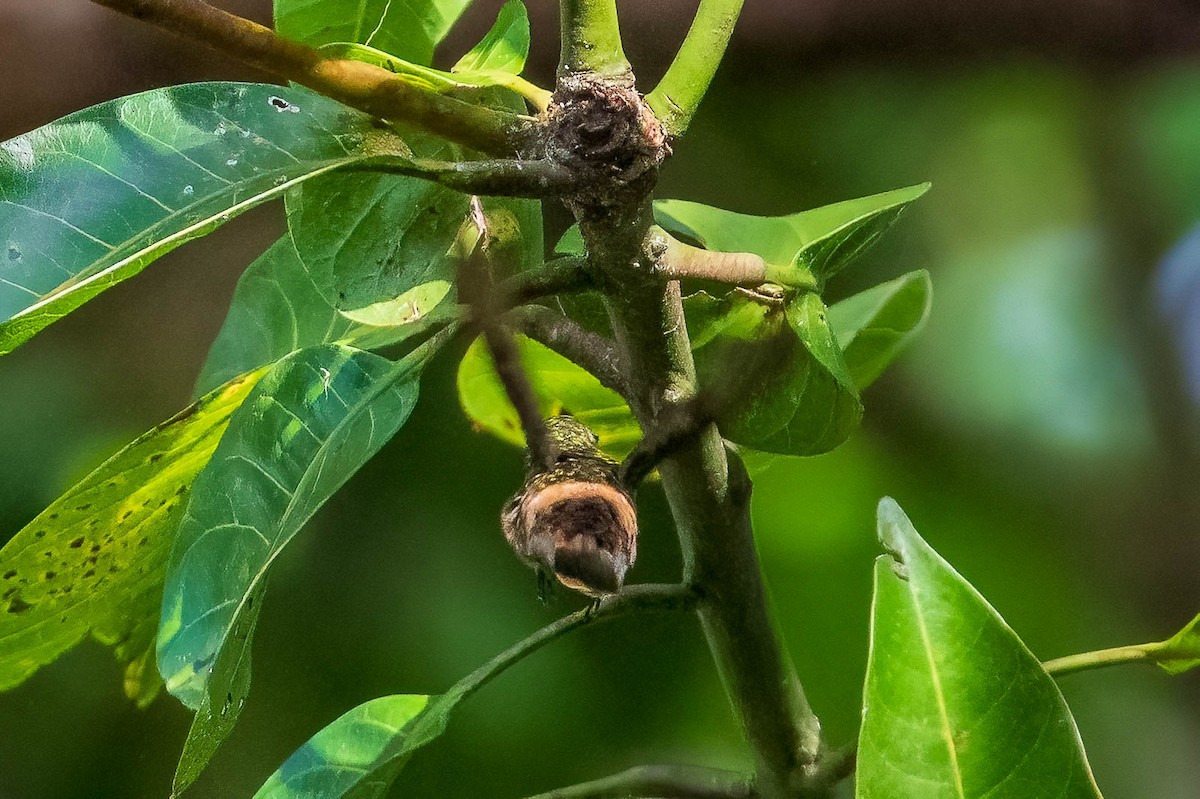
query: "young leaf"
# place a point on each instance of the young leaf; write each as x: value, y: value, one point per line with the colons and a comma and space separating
x: 350, y: 753
x: 822, y: 240
x: 90, y: 200
x: 775, y: 370
x: 96, y: 558
x: 561, y: 387
x: 875, y: 326
x: 955, y: 705
x: 1180, y: 652
x: 504, y: 48
x: 409, y: 30
x: 312, y: 421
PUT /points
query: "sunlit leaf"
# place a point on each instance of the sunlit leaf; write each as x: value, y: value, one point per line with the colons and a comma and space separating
x: 90, y: 200
x: 875, y: 326
x: 774, y: 369
x: 311, y: 422
x: 347, y: 754
x: 822, y: 240
x: 96, y: 558
x: 1180, y: 652
x: 409, y: 30
x: 505, y: 47
x: 561, y: 387
x: 955, y: 705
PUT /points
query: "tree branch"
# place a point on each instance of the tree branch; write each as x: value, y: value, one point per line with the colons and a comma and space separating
x: 591, y: 38
x: 568, y: 338
x: 558, y: 276
x: 679, y: 782
x: 365, y: 86
x: 680, y: 260
x: 633, y: 598
x: 678, y: 95
x: 538, y: 179
x: 709, y: 494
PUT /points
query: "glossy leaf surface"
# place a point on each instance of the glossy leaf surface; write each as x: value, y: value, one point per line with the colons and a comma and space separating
x: 94, y: 561
x: 822, y: 240
x: 90, y: 200
x: 561, y: 387
x: 312, y: 421
x: 955, y: 705
x: 776, y: 371
x: 345, y: 758
x: 409, y: 29
x: 875, y: 326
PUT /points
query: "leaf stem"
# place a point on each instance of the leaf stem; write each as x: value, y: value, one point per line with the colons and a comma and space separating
x: 678, y: 95
x: 558, y: 276
x: 680, y: 782
x: 1086, y: 661
x: 591, y: 38
x: 364, y: 86
x: 632, y: 598
x: 680, y: 260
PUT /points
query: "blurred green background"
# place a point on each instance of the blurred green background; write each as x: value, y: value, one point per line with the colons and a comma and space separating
x: 1041, y: 434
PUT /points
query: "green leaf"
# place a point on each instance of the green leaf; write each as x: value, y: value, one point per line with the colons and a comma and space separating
x: 560, y: 386
x: 367, y: 238
x: 775, y: 369
x: 504, y: 48
x: 312, y: 421
x: 1180, y: 652
x: 348, y: 754
x: 409, y: 30
x: 822, y: 240
x: 875, y: 326
x: 368, y: 261
x: 157, y: 169
x: 96, y: 558
x: 955, y: 705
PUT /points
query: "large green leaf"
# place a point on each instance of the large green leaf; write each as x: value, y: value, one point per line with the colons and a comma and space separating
x: 90, y: 200
x: 409, y: 29
x: 358, y: 754
x: 560, y: 386
x: 822, y: 240
x: 775, y: 369
x: 96, y: 558
x: 311, y: 422
x: 955, y: 705
x: 875, y: 326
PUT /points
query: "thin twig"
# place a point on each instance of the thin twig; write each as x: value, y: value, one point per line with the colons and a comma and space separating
x: 678, y: 782
x: 678, y: 95
x: 364, y: 86
x: 676, y: 427
x: 1085, y: 661
x: 592, y: 351
x: 558, y: 276
x: 630, y: 599
x: 475, y: 288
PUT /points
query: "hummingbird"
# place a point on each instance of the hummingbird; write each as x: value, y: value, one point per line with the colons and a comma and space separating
x: 574, y: 520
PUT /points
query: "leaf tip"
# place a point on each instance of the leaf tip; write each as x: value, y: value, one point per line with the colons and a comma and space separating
x: 893, y: 528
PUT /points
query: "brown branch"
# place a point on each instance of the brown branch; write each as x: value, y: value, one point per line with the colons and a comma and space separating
x: 559, y: 276
x: 592, y: 351
x: 537, y: 179
x: 364, y: 86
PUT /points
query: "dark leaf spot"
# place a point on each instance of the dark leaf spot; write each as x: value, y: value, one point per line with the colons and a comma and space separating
x: 51, y: 575
x: 156, y: 457
x: 18, y: 605
x: 11, y: 573
x: 77, y: 543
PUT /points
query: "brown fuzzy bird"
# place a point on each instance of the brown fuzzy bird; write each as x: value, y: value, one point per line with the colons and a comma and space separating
x: 575, y: 520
